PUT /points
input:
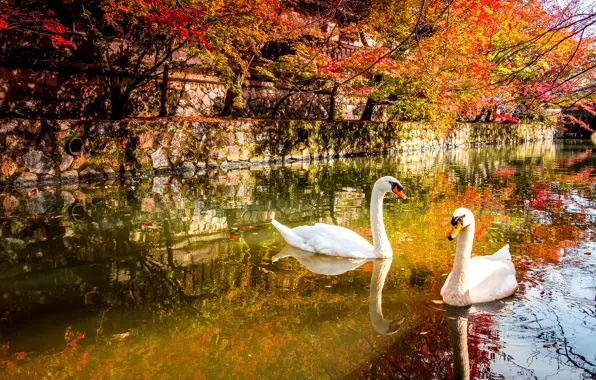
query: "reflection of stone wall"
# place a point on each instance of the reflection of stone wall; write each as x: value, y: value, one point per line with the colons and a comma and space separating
x: 34, y: 150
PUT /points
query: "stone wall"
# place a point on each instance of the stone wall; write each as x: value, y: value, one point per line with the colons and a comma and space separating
x: 34, y: 151
x: 79, y: 94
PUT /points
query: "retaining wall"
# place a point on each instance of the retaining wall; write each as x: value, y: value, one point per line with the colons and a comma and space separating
x: 35, y: 151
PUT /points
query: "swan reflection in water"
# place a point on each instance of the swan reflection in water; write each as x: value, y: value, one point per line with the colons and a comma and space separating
x: 334, y: 266
x: 457, y: 320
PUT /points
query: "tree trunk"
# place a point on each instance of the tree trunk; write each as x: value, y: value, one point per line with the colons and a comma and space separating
x: 332, y: 103
x: 228, y: 103
x: 119, y: 102
x: 368, y: 109
x: 163, y: 103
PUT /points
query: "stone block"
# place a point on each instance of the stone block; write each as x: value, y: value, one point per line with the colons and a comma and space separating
x: 69, y: 176
x: 160, y: 159
x: 48, y: 179
x: 90, y: 174
x: 67, y: 197
x: 67, y: 160
x: 228, y: 139
x: 37, y: 162
x: 8, y: 125
x: 240, y: 137
x: 187, y: 167
x: 146, y: 140
x: 109, y: 172
x: 9, y: 166
x: 26, y: 180
x: 78, y: 162
x: 233, y: 153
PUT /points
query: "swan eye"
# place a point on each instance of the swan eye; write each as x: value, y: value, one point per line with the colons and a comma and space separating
x: 456, y: 219
x: 397, y: 188
x: 395, y: 185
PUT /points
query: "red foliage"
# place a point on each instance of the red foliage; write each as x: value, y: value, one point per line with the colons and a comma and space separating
x: 577, y: 121
x: 505, y: 118
x: 507, y: 172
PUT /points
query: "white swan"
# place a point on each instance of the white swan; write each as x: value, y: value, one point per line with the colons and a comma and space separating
x: 481, y: 278
x: 333, y: 266
x: 332, y: 240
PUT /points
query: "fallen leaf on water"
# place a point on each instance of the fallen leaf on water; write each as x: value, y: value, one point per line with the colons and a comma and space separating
x: 121, y: 336
x: 588, y: 253
x: 507, y: 311
x: 547, y: 346
x: 423, y: 332
x: 451, y: 318
x: 444, y: 274
x: 509, y: 302
x: 232, y: 236
x: 438, y: 302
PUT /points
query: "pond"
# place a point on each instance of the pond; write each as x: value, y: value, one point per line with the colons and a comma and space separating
x: 183, y: 277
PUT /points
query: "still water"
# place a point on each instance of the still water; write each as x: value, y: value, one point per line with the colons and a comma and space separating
x: 174, y: 277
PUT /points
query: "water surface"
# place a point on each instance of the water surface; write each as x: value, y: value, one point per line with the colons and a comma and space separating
x: 172, y: 277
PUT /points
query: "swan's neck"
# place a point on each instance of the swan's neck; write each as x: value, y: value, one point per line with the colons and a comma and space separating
x: 382, y: 248
x: 375, y: 305
x: 463, y: 252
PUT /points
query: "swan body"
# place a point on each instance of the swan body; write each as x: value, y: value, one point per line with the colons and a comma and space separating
x: 333, y: 266
x: 478, y: 279
x: 333, y: 240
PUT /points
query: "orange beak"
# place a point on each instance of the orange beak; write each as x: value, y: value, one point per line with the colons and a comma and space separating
x: 454, y: 231
x: 399, y: 193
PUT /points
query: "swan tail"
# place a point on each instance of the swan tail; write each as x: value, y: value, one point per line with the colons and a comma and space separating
x: 502, y: 254
x: 289, y: 236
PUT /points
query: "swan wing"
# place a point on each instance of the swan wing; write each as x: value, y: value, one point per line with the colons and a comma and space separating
x: 502, y: 254
x: 291, y: 237
x: 333, y: 240
x: 490, y: 279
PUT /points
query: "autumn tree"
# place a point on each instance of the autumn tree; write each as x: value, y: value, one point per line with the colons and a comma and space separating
x: 445, y: 60
x: 130, y: 42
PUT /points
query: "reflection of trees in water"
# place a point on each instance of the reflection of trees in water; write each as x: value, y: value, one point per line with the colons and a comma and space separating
x: 123, y: 256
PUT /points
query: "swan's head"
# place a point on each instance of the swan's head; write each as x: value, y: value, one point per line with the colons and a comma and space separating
x: 389, y: 184
x: 462, y: 218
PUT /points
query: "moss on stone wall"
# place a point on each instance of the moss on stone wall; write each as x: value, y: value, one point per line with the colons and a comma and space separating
x: 34, y: 150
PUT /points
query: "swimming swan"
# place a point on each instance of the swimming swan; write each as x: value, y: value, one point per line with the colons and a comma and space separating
x: 333, y: 240
x: 481, y: 278
x: 333, y: 266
